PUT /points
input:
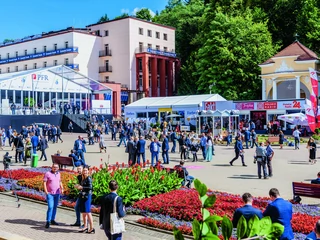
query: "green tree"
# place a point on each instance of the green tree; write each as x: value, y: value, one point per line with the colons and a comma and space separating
x: 103, y: 19
x: 7, y: 40
x: 144, y: 14
x: 123, y: 15
x: 229, y: 58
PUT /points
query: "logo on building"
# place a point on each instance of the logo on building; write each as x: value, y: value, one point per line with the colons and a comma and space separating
x: 39, y: 77
x: 23, y: 79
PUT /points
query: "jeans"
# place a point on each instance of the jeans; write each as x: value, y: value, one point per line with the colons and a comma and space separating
x: 174, y: 142
x: 52, y: 200
x: 237, y: 156
x: 269, y: 166
x: 114, y: 236
x: 43, y: 154
x: 204, y: 151
x: 80, y: 154
x: 262, y: 164
x: 165, y: 156
x: 253, y: 143
x: 247, y: 144
x: 123, y: 139
x: 296, y: 143
x: 21, y: 156
x: 189, y: 180
x: 143, y: 157
x: 79, y: 163
x: 34, y: 150
x: 154, y: 155
x: 77, y: 209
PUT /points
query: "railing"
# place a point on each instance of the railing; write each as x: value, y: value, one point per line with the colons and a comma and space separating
x: 105, y: 69
x: 155, y: 51
x: 104, y: 53
x: 40, y: 55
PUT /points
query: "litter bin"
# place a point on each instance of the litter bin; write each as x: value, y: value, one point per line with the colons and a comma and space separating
x: 34, y: 160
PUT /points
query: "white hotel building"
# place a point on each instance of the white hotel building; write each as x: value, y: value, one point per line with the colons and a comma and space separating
x: 136, y: 54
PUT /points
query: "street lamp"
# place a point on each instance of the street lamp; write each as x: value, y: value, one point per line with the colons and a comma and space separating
x: 211, y: 86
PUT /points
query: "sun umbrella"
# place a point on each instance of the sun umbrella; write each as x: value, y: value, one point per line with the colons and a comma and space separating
x: 173, y: 115
x: 295, y: 118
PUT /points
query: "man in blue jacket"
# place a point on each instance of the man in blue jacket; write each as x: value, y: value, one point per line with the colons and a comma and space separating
x: 280, y: 211
x: 79, y: 147
x: 238, y: 148
x: 247, y: 136
x: 174, y: 138
x: 316, y: 181
x: 165, y: 149
x: 154, y: 149
x: 314, y: 235
x: 247, y: 210
x: 35, y: 142
x: 141, y: 149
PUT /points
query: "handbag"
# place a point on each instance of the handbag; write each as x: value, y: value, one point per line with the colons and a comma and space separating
x: 116, y: 223
x: 84, y: 195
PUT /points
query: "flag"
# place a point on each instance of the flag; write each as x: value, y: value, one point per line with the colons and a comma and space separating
x: 314, y: 93
x: 310, y: 117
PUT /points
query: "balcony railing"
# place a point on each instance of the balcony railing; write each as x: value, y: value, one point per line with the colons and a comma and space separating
x: 105, y: 53
x: 155, y: 51
x: 40, y: 55
x: 73, y: 66
x: 105, y: 69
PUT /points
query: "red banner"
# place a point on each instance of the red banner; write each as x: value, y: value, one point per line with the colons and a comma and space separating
x: 314, y: 94
x: 311, y: 117
x: 210, y: 106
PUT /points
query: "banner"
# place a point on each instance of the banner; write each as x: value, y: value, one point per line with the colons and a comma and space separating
x: 310, y: 116
x: 314, y: 93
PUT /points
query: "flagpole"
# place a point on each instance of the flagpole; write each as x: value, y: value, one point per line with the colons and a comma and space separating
x: 32, y: 96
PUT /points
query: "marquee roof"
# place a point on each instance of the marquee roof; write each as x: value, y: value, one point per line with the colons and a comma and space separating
x: 54, y: 75
x: 176, y: 101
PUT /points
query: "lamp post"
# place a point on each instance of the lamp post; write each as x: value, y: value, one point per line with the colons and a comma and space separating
x: 211, y: 86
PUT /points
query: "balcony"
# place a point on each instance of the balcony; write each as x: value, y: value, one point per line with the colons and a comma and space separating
x: 105, y: 69
x: 73, y: 66
x: 105, y: 53
x: 40, y: 55
x: 155, y: 51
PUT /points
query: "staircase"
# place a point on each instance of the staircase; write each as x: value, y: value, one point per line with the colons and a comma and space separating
x: 78, y: 120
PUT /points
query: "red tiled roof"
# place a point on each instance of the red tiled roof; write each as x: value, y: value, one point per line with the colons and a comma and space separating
x: 295, y: 49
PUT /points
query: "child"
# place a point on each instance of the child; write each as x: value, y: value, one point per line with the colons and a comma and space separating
x: 59, y: 152
x: 194, y: 149
x: 102, y: 145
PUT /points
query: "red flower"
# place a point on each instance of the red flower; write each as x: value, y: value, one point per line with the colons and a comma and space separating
x: 123, y: 164
x: 130, y: 162
x: 148, y: 161
x: 101, y: 159
x: 151, y: 170
x: 162, y: 177
x: 127, y: 177
x: 117, y: 164
x: 101, y: 166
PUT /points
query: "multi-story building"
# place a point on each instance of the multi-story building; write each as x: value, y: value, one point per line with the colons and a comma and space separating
x: 137, y: 54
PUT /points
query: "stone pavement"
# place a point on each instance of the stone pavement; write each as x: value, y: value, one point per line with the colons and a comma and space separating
x: 27, y: 222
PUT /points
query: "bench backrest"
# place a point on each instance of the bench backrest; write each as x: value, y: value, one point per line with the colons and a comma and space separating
x: 306, y: 189
x: 273, y: 139
x: 61, y: 160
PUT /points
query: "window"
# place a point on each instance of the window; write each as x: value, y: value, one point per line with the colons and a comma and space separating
x: 26, y: 52
x: 55, y: 46
x: 8, y: 55
x: 35, y: 65
x: 149, y: 33
x: 157, y: 47
x: 17, y: 69
x: 98, y: 32
x: 141, y: 31
x: 107, y: 78
x: 44, y: 64
x: 140, y: 46
x: 157, y: 35
x: 45, y: 48
x: 35, y: 50
x: 26, y: 67
x: 106, y: 33
x: 165, y: 36
x: 165, y: 49
x: 66, y: 44
x: 55, y: 62
x: 149, y: 45
x: 16, y: 53
x: 66, y: 61
x: 8, y: 69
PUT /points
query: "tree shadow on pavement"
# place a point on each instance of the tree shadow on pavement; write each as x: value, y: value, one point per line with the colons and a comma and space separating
x: 40, y: 225
x: 244, y: 176
x: 299, y: 162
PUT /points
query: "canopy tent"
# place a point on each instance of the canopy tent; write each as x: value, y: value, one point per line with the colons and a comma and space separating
x: 295, y: 118
x: 52, y: 79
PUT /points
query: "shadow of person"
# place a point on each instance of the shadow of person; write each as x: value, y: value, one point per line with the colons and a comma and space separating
x: 244, y: 176
x: 221, y: 165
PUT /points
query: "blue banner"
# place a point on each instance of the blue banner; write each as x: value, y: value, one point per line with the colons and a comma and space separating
x: 163, y: 53
x: 40, y: 55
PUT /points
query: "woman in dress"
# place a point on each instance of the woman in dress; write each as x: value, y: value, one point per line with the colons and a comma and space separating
x: 209, y: 149
x: 85, y: 196
x: 281, y: 139
x: 312, y: 151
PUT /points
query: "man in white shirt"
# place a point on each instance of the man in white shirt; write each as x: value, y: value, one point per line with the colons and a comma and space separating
x: 296, y: 135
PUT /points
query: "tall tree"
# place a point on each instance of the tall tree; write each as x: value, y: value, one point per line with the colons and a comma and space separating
x: 103, y: 19
x: 229, y: 58
x: 144, y: 14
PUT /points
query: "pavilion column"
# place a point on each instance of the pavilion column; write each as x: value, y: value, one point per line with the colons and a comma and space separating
x: 162, y: 77
x: 21, y: 101
x: 298, y: 87
x: 137, y: 74
x: 170, y: 78
x: 145, y: 75
x: 263, y: 89
x: 274, y: 89
x: 154, y: 77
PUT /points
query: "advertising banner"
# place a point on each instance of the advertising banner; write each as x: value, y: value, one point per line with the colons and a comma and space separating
x: 209, y: 106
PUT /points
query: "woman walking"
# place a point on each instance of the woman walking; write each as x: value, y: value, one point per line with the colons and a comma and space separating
x: 312, y: 151
x: 209, y: 149
x: 281, y: 139
x: 85, y: 201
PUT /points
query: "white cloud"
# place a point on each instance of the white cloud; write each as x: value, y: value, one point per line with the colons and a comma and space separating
x: 137, y: 9
x: 125, y: 10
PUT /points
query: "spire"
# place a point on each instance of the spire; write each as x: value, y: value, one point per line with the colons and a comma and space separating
x: 296, y: 36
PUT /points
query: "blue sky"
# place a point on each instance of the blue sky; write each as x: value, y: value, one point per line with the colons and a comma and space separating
x: 24, y: 18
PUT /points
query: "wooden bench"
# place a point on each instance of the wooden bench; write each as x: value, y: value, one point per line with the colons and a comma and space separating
x: 273, y: 139
x: 306, y: 189
x: 63, y: 161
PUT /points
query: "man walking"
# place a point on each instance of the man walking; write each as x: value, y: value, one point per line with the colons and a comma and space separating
x: 261, y: 158
x: 79, y: 147
x: 296, y: 135
x: 247, y: 136
x: 141, y: 149
x: 269, y: 154
x: 165, y: 149
x: 253, y: 138
x: 238, y: 148
x: 203, y: 144
x: 122, y: 138
x: 131, y: 150
x: 280, y: 211
x: 53, y: 188
x: 174, y: 138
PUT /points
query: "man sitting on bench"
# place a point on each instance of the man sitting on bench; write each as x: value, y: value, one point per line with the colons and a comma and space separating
x: 316, y: 181
x: 77, y: 162
x: 189, y: 179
